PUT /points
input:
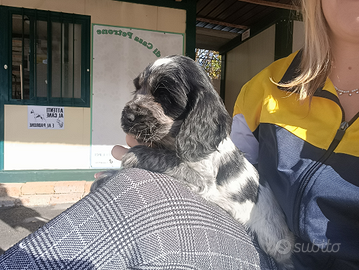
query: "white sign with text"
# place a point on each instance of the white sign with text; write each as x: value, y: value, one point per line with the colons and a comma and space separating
x: 119, y: 55
x: 45, y: 117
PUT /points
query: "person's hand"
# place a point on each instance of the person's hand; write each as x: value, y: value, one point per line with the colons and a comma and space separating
x: 118, y: 151
x: 131, y: 141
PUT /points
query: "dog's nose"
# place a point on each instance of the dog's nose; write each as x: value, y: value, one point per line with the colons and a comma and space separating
x: 128, y: 114
x: 130, y: 117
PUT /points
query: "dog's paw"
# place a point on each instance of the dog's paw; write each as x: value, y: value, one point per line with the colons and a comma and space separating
x: 275, y: 238
x: 284, y: 249
x: 281, y: 250
x: 268, y: 223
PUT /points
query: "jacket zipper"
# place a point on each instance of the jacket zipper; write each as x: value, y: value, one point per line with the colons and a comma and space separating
x: 291, y: 73
x: 314, y: 168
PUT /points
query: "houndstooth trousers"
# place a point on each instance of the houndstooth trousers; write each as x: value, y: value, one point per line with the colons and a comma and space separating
x: 139, y: 220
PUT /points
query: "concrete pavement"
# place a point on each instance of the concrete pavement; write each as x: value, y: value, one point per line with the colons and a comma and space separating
x: 18, y: 222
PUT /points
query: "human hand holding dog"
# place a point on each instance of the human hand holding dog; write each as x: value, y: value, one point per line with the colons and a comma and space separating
x: 118, y: 151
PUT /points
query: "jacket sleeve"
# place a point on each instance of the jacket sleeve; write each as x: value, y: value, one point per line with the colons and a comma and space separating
x: 246, y: 117
x: 244, y: 139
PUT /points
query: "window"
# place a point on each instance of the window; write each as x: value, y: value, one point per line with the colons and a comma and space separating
x: 211, y: 61
x: 50, y: 58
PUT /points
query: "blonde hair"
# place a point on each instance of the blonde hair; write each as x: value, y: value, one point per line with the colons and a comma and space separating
x: 316, y: 56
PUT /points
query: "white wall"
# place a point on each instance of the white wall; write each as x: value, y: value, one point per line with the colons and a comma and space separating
x: 247, y: 60
x: 113, y: 12
x: 298, y: 35
x: 36, y: 149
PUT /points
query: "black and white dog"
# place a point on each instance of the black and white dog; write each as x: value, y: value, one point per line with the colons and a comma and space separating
x: 185, y: 128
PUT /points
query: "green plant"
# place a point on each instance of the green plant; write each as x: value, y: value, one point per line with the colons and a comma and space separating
x: 211, y: 62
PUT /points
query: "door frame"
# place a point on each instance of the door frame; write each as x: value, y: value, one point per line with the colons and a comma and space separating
x: 4, y: 76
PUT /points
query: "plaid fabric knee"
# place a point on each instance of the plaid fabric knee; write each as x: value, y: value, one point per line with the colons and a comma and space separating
x: 139, y: 220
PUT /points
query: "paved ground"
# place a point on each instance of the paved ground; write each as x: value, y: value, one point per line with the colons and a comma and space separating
x: 18, y: 222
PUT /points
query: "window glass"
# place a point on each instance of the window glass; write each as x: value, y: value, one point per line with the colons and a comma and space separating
x: 41, y: 59
x: 56, y: 59
x: 48, y: 58
x: 77, y: 60
x: 20, y: 57
x: 66, y: 60
x: 71, y: 61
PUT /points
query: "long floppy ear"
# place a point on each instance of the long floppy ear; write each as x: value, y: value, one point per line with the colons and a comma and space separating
x: 206, y: 124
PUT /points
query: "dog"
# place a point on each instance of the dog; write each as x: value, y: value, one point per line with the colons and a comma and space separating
x: 184, y: 131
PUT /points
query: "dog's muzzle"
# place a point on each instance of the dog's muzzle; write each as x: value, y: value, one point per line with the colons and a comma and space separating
x: 139, y: 122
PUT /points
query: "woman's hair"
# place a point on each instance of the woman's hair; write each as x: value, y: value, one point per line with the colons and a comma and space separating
x: 316, y: 56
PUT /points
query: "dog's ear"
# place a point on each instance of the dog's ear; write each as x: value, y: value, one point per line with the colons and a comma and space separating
x: 206, y: 124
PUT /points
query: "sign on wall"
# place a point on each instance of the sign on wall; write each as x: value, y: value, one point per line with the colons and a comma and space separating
x: 44, y: 117
x: 119, y: 55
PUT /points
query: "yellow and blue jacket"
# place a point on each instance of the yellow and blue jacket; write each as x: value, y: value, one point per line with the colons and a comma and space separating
x: 309, y: 155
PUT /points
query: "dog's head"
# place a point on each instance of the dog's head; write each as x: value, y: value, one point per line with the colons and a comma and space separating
x: 176, y: 107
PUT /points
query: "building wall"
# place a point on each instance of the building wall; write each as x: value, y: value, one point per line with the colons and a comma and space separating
x: 37, y: 149
x: 31, y: 149
x: 249, y: 58
x: 245, y: 61
x: 113, y: 13
x: 298, y: 35
x: 44, y: 167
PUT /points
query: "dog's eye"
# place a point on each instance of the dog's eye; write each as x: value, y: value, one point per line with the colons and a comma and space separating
x: 161, y: 92
x: 163, y: 96
x: 172, y: 103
